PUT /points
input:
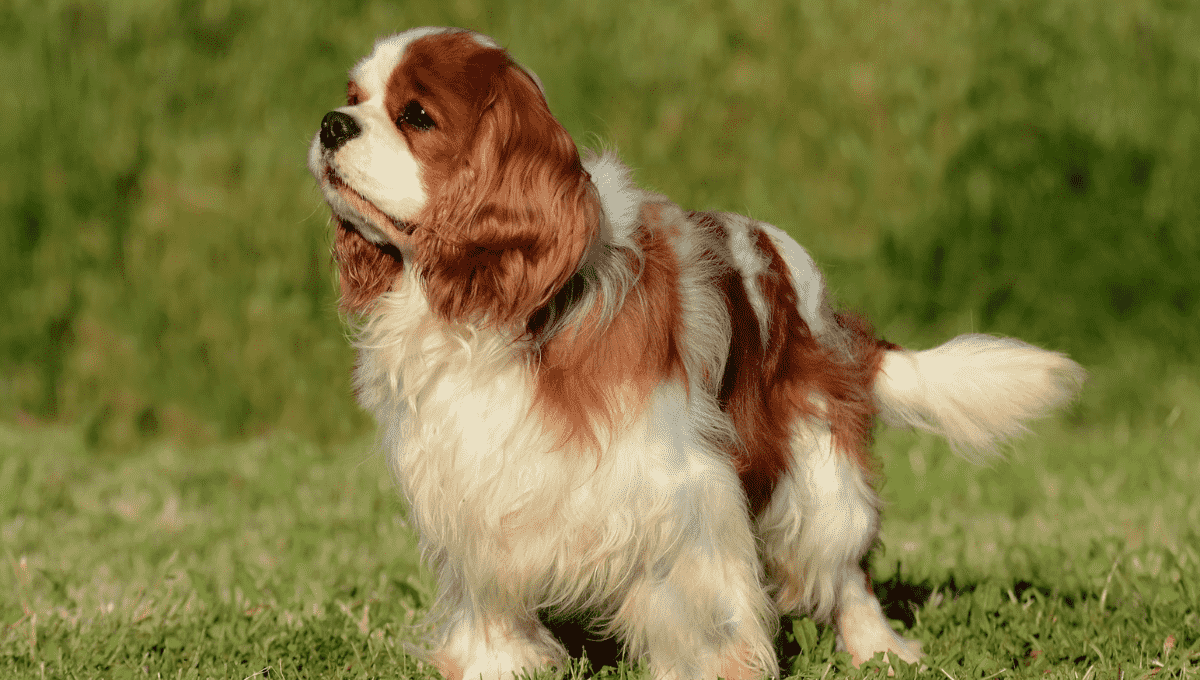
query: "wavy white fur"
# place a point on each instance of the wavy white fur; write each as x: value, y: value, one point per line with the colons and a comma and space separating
x: 511, y: 526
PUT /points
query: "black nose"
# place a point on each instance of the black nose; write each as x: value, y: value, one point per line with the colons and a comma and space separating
x: 337, y: 128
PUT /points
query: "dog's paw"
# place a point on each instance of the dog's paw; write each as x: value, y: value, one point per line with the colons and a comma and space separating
x: 501, y: 651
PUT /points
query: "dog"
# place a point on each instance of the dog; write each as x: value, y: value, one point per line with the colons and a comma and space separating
x: 595, y: 400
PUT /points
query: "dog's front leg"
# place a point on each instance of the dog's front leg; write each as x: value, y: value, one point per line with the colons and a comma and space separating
x: 482, y: 639
x: 698, y: 610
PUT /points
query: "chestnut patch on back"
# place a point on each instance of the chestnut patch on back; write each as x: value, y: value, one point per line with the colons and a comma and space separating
x: 770, y: 382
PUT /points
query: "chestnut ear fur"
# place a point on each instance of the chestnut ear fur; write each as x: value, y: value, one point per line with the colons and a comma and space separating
x: 511, y: 221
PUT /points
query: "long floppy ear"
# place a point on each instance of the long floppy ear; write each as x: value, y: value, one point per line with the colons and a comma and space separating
x: 503, y: 233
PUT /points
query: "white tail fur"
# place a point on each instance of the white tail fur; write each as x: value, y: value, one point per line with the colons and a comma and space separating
x: 977, y: 391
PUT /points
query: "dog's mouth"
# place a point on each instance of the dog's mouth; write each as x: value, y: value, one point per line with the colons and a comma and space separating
x: 379, y: 228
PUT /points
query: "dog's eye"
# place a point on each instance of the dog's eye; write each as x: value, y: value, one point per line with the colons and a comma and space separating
x: 414, y: 114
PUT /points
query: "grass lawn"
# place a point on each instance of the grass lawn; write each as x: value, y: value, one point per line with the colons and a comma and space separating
x: 1078, y: 557
x: 188, y: 490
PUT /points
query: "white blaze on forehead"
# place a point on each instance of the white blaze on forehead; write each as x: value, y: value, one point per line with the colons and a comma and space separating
x: 377, y: 67
x: 373, y: 72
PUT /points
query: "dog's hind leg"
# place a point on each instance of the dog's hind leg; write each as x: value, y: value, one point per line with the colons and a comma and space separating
x: 822, y: 519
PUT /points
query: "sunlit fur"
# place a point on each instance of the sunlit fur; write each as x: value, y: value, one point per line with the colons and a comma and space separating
x: 593, y: 399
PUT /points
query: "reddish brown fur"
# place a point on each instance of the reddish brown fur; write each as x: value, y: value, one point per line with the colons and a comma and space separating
x: 448, y: 667
x: 768, y: 385
x: 365, y: 270
x: 590, y: 373
x: 510, y: 208
x: 852, y: 410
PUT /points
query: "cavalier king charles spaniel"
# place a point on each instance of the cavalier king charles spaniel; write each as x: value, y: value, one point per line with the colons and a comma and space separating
x: 597, y: 401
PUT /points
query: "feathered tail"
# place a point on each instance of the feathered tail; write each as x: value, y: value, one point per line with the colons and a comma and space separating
x: 977, y: 391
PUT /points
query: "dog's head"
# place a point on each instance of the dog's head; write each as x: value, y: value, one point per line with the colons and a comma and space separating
x: 446, y: 157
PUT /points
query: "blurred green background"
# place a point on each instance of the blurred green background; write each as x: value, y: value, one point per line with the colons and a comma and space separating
x: 1025, y: 167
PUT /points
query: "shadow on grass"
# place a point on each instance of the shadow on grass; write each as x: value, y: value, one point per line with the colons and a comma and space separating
x: 579, y: 634
x: 900, y: 598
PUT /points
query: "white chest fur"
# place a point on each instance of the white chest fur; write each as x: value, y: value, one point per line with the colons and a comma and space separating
x: 491, y: 493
